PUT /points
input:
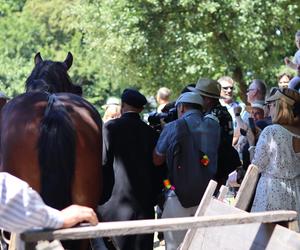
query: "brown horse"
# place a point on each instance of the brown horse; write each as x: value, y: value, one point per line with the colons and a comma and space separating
x: 53, y: 141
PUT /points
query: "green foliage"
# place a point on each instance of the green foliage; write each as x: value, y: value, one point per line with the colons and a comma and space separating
x: 147, y: 43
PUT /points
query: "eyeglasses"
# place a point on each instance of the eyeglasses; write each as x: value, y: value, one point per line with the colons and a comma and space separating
x: 226, y: 88
x: 248, y: 90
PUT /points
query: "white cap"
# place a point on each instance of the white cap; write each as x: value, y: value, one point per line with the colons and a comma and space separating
x: 190, y: 97
x: 259, y: 104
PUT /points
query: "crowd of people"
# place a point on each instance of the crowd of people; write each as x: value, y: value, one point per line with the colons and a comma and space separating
x: 227, y: 133
x: 144, y: 167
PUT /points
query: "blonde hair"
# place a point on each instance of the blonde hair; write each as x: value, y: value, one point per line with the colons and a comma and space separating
x: 112, y: 112
x: 164, y: 93
x: 227, y: 79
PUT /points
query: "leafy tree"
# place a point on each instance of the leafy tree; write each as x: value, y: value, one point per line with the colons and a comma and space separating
x: 147, y: 43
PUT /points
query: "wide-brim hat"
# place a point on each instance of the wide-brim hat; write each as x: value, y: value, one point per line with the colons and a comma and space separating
x: 190, y: 97
x: 207, y: 87
x: 290, y: 96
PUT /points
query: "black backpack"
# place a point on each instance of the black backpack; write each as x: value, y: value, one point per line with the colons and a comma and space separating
x: 188, y: 167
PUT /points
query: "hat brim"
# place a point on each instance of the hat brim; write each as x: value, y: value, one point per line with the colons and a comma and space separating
x: 201, y: 92
x: 257, y: 106
x: 279, y: 96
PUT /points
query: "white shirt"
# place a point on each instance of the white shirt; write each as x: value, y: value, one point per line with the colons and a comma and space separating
x: 230, y: 107
x: 297, y: 57
x: 22, y: 208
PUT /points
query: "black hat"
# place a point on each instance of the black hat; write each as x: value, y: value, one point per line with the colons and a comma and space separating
x: 133, y: 98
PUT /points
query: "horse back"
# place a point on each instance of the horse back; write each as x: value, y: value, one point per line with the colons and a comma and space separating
x: 88, y: 127
x: 20, y: 132
x: 20, y: 119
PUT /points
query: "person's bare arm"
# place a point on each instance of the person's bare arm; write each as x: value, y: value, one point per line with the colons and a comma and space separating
x: 290, y: 64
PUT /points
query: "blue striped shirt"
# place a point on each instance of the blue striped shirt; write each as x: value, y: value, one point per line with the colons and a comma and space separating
x: 22, y: 208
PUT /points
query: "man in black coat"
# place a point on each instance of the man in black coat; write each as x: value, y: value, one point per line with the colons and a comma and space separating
x: 130, y: 177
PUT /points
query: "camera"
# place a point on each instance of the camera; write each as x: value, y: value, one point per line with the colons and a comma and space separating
x: 155, y: 118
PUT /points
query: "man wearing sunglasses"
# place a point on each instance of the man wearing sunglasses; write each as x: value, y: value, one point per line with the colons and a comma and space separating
x: 227, y: 99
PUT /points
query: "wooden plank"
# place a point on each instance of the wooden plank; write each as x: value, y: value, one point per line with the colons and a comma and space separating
x: 200, y: 211
x: 222, y: 193
x: 247, y: 188
x: 244, y: 237
x: 150, y: 226
x: 240, y: 237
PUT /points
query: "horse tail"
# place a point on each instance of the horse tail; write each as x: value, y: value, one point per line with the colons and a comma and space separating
x: 56, y: 154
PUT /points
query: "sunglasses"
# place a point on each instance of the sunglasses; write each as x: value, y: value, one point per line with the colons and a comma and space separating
x: 226, y: 88
x: 248, y: 90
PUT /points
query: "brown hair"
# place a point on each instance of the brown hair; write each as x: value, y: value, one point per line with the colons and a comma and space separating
x: 285, y: 74
x: 284, y: 112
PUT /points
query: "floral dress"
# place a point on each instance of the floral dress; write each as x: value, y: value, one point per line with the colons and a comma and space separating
x: 279, y: 184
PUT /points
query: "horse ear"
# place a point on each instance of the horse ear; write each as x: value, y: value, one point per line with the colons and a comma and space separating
x: 69, y: 60
x: 38, y: 58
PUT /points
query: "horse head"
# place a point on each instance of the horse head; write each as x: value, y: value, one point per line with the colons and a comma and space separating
x: 52, y: 76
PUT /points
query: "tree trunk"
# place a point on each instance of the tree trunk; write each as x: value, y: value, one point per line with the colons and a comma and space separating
x: 238, y: 76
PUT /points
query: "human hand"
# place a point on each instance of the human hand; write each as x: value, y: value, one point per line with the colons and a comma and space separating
x: 75, y: 214
x: 237, y: 109
x: 232, y: 179
x: 287, y: 60
x: 162, y: 122
x: 250, y: 137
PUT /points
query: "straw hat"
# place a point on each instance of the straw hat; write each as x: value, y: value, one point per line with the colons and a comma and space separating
x: 290, y: 96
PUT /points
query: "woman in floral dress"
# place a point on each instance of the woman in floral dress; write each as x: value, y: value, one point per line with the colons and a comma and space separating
x: 277, y: 155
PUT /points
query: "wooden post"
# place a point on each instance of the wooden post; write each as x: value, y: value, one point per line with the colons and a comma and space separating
x: 12, y: 242
x: 200, y: 211
x: 222, y: 193
x: 247, y: 188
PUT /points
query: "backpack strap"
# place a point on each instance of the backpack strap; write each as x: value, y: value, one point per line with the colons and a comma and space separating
x: 213, y: 117
x: 182, y: 127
